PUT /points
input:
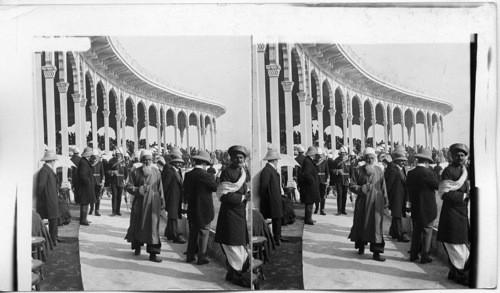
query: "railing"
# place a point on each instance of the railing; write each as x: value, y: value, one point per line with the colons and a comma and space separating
x: 154, y: 77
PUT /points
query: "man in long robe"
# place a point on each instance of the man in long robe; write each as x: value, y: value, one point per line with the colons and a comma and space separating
x: 369, y: 185
x: 454, y: 227
x: 146, y: 186
x: 232, y: 231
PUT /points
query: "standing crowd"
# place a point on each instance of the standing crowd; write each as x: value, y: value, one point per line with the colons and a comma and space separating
x: 150, y: 183
x: 377, y: 181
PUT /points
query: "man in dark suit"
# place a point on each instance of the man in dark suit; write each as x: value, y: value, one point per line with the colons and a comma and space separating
x: 309, y: 193
x: 395, y: 181
x: 198, y: 187
x: 339, y: 174
x: 74, y: 172
x: 118, y: 173
x: 87, y: 184
x: 271, y: 205
x: 422, y: 184
x: 47, y: 204
x: 172, y: 190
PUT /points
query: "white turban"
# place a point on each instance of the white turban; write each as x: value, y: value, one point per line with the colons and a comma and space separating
x: 146, y: 153
x: 369, y: 150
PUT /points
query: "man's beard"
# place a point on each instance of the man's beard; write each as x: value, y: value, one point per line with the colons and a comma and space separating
x: 147, y: 170
x: 370, y: 169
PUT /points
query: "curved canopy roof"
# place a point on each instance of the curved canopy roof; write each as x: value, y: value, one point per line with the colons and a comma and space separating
x: 341, y: 63
x: 109, y: 59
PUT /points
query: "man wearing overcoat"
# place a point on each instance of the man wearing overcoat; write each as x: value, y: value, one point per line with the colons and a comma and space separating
x: 87, y: 184
x: 198, y: 186
x: 271, y: 205
x: 422, y: 185
x: 47, y: 204
x: 339, y: 174
x: 173, y: 192
x: 117, y: 169
x: 395, y: 180
x: 309, y: 193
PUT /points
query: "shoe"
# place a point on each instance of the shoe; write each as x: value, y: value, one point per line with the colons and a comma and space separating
x: 426, y: 260
x: 378, y: 257
x: 97, y: 214
x: 404, y: 240
x: 361, y: 250
x: 90, y: 213
x: 284, y: 239
x: 414, y: 257
x: 153, y: 258
x: 344, y: 213
x: 309, y: 222
x: 86, y: 223
x: 322, y: 213
x: 112, y: 215
x: 60, y: 240
x: 338, y: 214
x: 202, y: 261
x: 180, y: 241
x: 137, y: 251
x: 118, y: 214
x: 54, y: 243
x: 315, y: 212
x: 190, y: 259
x: 277, y: 242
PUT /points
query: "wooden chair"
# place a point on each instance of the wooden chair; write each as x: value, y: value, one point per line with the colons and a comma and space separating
x: 36, y: 267
x: 37, y: 247
x: 258, y: 268
x: 35, y: 281
x: 258, y: 246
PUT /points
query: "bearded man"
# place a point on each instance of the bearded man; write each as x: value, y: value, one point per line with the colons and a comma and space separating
x: 454, y: 226
x: 231, y: 231
x: 146, y: 186
x: 369, y: 185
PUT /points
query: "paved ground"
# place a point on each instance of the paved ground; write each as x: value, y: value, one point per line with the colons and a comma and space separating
x: 331, y: 262
x: 108, y: 263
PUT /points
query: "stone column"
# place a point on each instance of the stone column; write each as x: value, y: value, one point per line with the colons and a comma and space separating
x: 211, y: 137
x: 349, y: 126
x: 438, y: 128
x: 425, y: 135
x: 93, y: 109
x: 124, y: 133
x: 118, y: 131
x: 215, y: 138
x: 319, y: 108
x: 136, y: 138
x: 309, y: 120
x: 362, y: 130
x: 415, y: 133
x: 344, y: 126
x: 302, y: 106
x: 273, y: 70
x: 76, y: 104
x: 158, y: 132
x: 63, y: 100
x: 333, y: 137
x: 187, y: 132
x: 49, y: 72
x: 198, y: 128
x: 431, y: 134
x: 261, y: 82
x: 442, y: 136
x: 105, y: 113
x: 386, y: 139
x: 391, y: 124
x: 287, y: 89
x: 402, y: 132
x: 83, y: 105
x: 175, y: 131
x: 164, y: 126
x: 146, y: 126
x: 374, y: 123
